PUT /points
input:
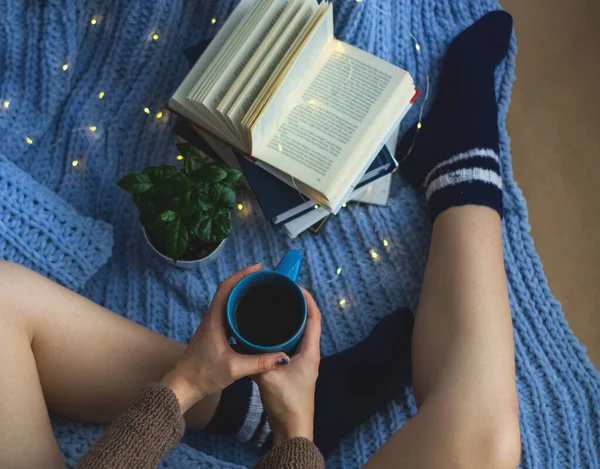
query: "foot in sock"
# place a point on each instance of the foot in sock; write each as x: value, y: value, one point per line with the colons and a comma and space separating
x: 352, y: 386
x: 362, y: 380
x: 455, y: 154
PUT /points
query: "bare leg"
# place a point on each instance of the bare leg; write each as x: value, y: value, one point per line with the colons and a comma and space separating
x: 60, y: 350
x: 463, y: 356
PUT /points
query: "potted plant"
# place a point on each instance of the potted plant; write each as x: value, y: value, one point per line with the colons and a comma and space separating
x: 185, y: 212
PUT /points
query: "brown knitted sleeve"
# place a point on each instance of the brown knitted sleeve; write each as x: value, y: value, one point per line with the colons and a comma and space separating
x: 141, y: 436
x: 297, y: 453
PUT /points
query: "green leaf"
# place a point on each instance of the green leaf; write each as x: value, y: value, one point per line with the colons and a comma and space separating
x: 174, y: 187
x: 203, y: 191
x: 214, y: 230
x: 136, y: 183
x: 168, y: 216
x: 222, y: 196
x: 190, y: 151
x: 221, y: 227
x: 188, y: 165
x: 232, y: 176
x: 159, y: 173
x: 177, y: 239
x: 193, y: 222
x: 204, y: 231
x: 210, y: 174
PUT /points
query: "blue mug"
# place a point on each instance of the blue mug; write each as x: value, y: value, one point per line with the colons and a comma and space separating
x: 284, y: 275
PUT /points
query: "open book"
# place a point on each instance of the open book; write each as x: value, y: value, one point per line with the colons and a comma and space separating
x: 314, y: 111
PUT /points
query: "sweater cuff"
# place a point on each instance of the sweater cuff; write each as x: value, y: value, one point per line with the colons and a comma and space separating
x: 142, y: 435
x: 297, y: 453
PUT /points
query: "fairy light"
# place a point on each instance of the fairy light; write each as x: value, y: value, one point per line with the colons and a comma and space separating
x: 373, y: 253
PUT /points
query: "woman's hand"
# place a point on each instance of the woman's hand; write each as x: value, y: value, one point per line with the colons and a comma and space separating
x: 209, y: 364
x: 288, y: 393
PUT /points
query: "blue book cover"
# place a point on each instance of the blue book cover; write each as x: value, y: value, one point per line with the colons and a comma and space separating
x: 282, y: 203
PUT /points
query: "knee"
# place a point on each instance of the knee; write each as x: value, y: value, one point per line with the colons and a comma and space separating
x: 499, y: 444
x: 483, y: 436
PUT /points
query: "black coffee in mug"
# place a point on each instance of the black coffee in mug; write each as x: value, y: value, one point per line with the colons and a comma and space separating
x: 268, y: 314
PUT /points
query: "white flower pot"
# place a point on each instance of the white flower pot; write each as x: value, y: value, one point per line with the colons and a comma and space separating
x: 187, y: 264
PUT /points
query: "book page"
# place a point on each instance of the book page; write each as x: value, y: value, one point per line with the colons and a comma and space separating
x: 235, y: 64
x: 274, y: 35
x: 238, y: 61
x: 257, y: 82
x: 326, y: 129
x: 179, y: 102
x: 233, y: 43
x: 297, y: 63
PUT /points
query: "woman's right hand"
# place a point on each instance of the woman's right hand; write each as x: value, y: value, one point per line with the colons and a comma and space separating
x: 288, y: 393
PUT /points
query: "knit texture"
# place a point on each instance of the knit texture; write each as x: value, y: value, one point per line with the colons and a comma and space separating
x: 40, y: 230
x: 456, y: 156
x: 153, y: 424
x: 298, y: 453
x: 559, y: 390
x: 142, y: 435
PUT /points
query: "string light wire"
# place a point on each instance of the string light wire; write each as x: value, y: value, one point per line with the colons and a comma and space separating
x: 417, y: 45
x: 366, y: 3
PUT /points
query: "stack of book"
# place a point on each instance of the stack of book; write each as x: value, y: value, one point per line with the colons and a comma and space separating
x: 304, y: 116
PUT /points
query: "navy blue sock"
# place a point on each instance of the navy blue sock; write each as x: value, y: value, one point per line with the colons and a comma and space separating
x: 352, y: 386
x: 455, y: 154
x: 363, y: 380
x: 240, y: 414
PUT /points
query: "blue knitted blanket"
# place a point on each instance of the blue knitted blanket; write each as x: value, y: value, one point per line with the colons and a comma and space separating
x: 76, y: 77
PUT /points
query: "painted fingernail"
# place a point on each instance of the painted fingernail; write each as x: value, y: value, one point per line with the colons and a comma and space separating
x: 283, y: 361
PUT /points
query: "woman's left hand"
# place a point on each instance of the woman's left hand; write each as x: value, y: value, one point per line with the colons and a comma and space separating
x: 209, y: 364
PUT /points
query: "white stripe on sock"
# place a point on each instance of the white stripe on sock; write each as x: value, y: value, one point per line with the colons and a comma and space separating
x: 264, y: 433
x: 464, y: 175
x: 255, y: 410
x: 485, y: 152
